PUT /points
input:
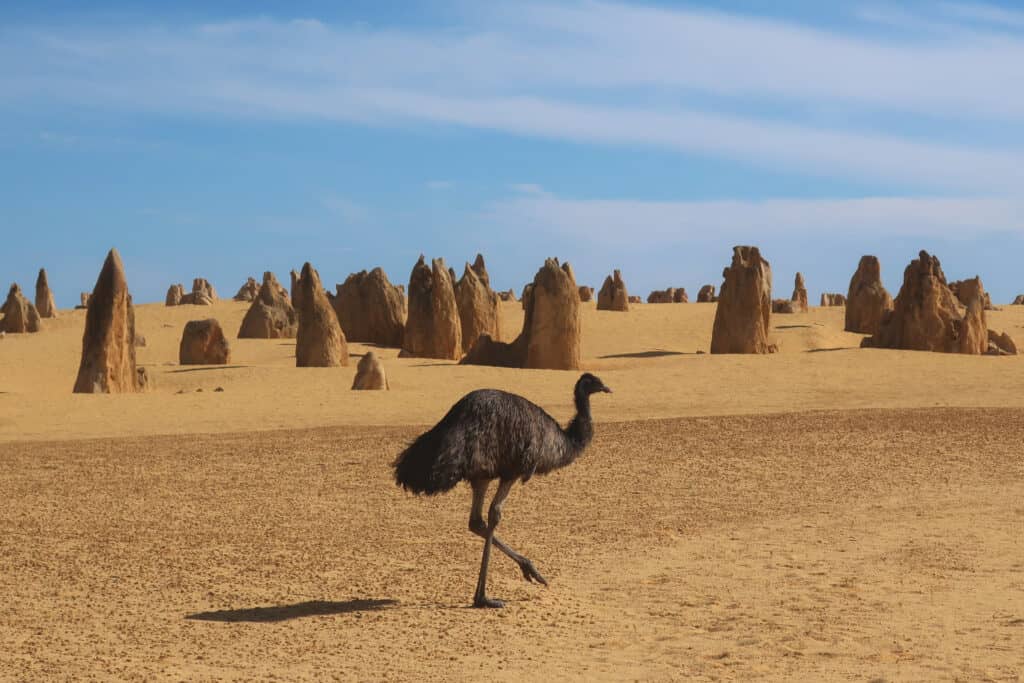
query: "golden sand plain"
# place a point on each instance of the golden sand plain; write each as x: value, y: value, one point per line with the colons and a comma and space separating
x: 823, y: 513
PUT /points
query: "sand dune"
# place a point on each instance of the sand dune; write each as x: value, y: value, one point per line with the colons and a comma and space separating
x: 822, y: 513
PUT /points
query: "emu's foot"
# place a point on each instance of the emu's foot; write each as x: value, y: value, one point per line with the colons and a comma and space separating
x: 484, y: 601
x: 530, y: 572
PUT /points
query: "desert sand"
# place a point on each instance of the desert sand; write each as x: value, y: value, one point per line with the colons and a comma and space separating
x: 826, y: 512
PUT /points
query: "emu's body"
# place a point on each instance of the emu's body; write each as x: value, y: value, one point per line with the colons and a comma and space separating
x: 487, y: 435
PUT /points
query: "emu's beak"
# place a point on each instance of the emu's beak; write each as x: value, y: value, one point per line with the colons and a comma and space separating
x: 606, y: 390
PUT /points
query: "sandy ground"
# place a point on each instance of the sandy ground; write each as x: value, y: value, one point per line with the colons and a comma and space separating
x: 824, y: 513
x: 649, y: 356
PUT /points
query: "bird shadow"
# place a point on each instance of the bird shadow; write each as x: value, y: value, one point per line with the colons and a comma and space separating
x: 212, y: 367
x: 644, y: 354
x: 431, y: 365
x: 793, y: 327
x: 833, y: 348
x: 310, y: 608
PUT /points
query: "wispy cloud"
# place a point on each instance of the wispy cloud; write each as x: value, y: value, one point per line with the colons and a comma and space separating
x: 346, y: 209
x: 833, y: 102
x: 985, y: 14
x: 616, y: 223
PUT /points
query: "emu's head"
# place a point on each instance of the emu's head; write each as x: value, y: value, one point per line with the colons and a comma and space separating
x: 590, y: 384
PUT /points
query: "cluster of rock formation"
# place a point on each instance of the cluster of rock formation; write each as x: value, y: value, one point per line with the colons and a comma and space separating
x: 586, y: 293
x: 613, y: 295
x: 926, y: 315
x: 831, y: 299
x: 783, y: 306
x: 634, y: 299
x: 479, y: 312
x: 668, y: 296
x: 319, y: 342
x: 271, y: 315
x: 203, y: 343
x: 19, y: 315
x: 371, y: 309
x: 796, y: 303
x: 551, y: 334
x: 510, y: 295
x: 867, y: 301
x: 743, y: 316
x: 370, y: 374
x: 706, y: 295
x: 432, y: 329
x: 249, y: 291
x: 202, y: 294
x: 108, y: 343
x: 45, y: 305
x: 1018, y: 300
x: 83, y: 300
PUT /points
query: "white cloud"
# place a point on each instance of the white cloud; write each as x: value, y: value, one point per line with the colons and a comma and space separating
x: 984, y: 13
x: 589, y: 72
x: 618, y: 223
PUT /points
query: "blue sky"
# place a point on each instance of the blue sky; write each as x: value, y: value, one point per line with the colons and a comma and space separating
x: 224, y: 139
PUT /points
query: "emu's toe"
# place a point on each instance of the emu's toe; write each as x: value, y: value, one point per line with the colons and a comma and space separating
x: 487, y: 602
x: 530, y: 572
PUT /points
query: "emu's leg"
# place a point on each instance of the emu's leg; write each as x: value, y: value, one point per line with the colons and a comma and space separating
x: 479, y: 527
x: 493, y: 517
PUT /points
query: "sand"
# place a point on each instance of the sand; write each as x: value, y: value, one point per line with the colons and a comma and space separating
x: 824, y: 513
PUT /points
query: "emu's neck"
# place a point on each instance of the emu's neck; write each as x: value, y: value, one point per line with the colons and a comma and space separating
x: 581, y: 430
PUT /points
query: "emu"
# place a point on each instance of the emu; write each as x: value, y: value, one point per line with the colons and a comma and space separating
x: 490, y: 434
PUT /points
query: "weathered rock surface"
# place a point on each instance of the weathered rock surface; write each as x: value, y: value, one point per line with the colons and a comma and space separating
x: 706, y: 295
x: 965, y: 290
x: 586, y: 293
x: 203, y: 343
x: 784, y: 306
x: 552, y: 330
x: 867, y: 301
x: 799, y: 297
x: 175, y: 293
x: 433, y: 329
x: 926, y: 315
x: 319, y: 343
x: 613, y: 295
x: 249, y: 291
x: 370, y: 374
x: 45, y: 305
x: 743, y: 316
x: 1001, y: 344
x: 832, y: 299
x: 478, y: 305
x: 202, y: 294
x: 18, y: 315
x: 371, y: 309
x: 271, y: 315
x: 108, y: 343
